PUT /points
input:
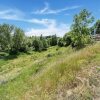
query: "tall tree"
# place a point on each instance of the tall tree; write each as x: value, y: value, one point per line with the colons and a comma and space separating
x: 45, y: 44
x: 53, y: 40
x: 60, y: 42
x: 67, y: 39
x: 37, y: 44
x: 80, y: 28
x: 18, y: 41
x: 5, y: 36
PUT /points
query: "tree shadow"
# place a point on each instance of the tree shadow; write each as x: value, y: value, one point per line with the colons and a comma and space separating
x: 10, y: 57
x: 4, y: 56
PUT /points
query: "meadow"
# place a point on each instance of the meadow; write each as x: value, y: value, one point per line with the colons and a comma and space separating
x: 44, y: 75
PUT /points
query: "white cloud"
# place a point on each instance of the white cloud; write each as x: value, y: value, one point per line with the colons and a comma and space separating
x: 45, y: 22
x: 51, y: 29
x: 11, y: 14
x: 18, y: 15
x: 45, y: 8
x: 48, y: 10
x: 51, y: 25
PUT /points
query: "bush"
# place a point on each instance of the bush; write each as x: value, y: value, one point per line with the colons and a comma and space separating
x: 45, y: 44
x: 67, y: 39
x: 59, y: 53
x: 53, y: 40
x: 49, y: 55
x: 60, y: 42
x: 13, y: 52
x: 38, y: 45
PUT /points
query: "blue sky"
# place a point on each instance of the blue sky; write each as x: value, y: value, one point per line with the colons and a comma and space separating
x: 45, y: 17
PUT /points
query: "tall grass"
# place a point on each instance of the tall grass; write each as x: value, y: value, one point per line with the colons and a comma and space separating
x: 62, y: 73
x: 43, y: 77
x: 29, y: 65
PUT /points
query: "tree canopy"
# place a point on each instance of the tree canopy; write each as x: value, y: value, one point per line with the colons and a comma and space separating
x: 14, y: 40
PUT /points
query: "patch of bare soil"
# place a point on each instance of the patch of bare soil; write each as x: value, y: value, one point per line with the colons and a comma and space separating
x: 86, y: 86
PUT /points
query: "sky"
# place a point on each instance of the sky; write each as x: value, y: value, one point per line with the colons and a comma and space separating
x: 45, y: 17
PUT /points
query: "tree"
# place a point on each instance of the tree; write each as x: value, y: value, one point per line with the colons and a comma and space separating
x: 67, y: 39
x: 97, y: 27
x: 49, y: 42
x: 37, y: 44
x: 5, y: 36
x: 29, y: 41
x: 45, y: 44
x: 19, y: 43
x: 60, y: 42
x: 53, y: 40
x: 80, y: 28
x: 41, y: 37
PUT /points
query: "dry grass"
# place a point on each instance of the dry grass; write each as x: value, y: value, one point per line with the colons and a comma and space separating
x: 43, y: 77
x: 61, y: 74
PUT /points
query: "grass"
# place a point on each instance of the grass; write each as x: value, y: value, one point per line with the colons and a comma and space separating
x: 27, y: 65
x: 38, y: 76
x: 63, y: 72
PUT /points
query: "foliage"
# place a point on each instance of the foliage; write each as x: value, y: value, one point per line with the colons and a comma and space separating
x: 67, y: 39
x: 55, y: 73
x: 53, y: 41
x: 5, y: 36
x: 19, y: 43
x: 45, y: 44
x: 14, y: 40
x: 97, y: 27
x: 80, y: 28
x: 60, y: 42
x: 37, y: 44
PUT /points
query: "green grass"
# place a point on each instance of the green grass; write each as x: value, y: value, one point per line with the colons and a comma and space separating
x: 26, y: 66
x: 37, y: 76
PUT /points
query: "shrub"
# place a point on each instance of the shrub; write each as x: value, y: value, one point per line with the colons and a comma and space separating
x: 60, y: 42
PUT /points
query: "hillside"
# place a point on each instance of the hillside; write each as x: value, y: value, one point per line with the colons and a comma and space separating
x: 55, y: 74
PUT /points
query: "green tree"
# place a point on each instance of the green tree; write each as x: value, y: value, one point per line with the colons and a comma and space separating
x: 53, y: 40
x: 67, y: 39
x: 60, y: 42
x: 37, y: 44
x: 41, y: 37
x: 45, y: 44
x: 5, y: 36
x: 19, y: 43
x: 80, y: 34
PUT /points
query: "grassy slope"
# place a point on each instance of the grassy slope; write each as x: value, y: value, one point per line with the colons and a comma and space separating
x: 39, y: 77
